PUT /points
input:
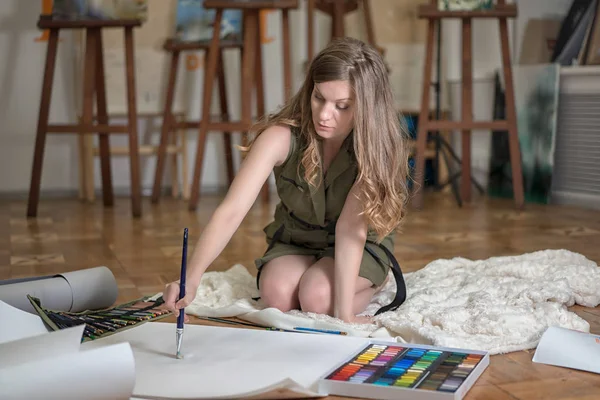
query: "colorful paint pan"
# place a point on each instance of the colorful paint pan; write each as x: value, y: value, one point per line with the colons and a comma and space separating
x: 387, y: 368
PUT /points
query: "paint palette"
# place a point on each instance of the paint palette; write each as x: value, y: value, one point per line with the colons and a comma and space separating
x: 397, y: 371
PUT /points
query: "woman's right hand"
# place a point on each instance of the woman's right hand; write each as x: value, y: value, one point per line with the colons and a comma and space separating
x: 171, y: 297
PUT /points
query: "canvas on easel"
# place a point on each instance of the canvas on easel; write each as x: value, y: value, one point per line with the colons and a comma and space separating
x: 536, y: 98
x: 195, y: 23
x: 99, y: 9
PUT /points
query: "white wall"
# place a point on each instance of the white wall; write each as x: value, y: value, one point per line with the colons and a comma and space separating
x: 21, y: 75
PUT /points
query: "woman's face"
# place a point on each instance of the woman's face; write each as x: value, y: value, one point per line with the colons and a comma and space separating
x: 332, y: 105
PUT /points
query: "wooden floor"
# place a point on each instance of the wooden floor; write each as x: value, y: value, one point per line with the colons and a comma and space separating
x: 145, y: 254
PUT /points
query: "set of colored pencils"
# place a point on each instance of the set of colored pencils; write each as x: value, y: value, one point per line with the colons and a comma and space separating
x: 99, y: 323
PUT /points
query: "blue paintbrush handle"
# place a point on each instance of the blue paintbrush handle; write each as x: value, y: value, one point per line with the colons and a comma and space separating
x: 182, y: 278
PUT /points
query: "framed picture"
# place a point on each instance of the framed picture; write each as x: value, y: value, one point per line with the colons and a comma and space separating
x: 75, y: 10
x: 195, y: 23
x: 464, y: 5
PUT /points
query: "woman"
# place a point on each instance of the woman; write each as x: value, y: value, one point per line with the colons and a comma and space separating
x: 340, y: 162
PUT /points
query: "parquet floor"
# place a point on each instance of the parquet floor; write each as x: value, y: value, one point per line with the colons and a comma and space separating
x: 145, y: 254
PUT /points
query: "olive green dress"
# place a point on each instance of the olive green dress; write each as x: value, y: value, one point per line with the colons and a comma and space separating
x: 304, y: 221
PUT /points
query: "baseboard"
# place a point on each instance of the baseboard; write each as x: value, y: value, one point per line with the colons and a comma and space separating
x: 20, y: 195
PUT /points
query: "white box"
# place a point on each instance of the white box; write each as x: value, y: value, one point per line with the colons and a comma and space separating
x: 427, y: 372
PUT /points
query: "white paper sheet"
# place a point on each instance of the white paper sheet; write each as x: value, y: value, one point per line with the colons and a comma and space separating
x: 16, y: 324
x: 229, y: 362
x: 52, y: 366
x: 568, y: 348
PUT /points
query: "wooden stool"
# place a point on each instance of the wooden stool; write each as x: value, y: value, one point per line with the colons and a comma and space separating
x: 251, y: 50
x: 338, y: 9
x: 94, y: 84
x: 176, y: 47
x: 501, y: 11
x: 177, y: 148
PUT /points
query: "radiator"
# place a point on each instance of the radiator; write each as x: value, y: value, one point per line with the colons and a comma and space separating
x: 576, y: 173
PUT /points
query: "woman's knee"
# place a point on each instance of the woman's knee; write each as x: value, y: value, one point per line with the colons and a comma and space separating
x: 315, y: 293
x: 278, y: 293
x: 278, y: 283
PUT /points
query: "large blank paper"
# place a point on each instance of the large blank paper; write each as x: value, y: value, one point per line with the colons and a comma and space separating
x: 568, y: 348
x: 229, y: 362
x: 16, y: 324
x: 52, y: 366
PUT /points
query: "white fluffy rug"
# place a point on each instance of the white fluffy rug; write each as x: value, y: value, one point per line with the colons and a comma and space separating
x: 499, y: 305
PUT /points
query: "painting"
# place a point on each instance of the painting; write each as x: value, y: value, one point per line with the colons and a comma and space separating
x: 464, y: 5
x: 99, y: 9
x: 536, y: 99
x: 195, y: 23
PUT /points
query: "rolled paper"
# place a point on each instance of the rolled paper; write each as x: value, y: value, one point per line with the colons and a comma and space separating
x: 86, y: 289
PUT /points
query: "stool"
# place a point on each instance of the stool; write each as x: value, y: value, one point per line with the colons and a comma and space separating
x: 93, y: 85
x: 338, y: 9
x: 176, y: 148
x: 501, y: 11
x: 251, y: 71
x: 176, y: 47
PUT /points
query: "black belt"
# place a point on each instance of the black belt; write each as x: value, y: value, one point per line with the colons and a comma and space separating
x: 400, y: 295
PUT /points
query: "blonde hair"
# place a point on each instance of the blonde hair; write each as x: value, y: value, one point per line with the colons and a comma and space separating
x: 380, y: 142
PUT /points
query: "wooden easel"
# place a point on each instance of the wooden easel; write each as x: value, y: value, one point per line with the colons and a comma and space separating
x: 434, y: 16
x: 251, y: 78
x: 337, y: 9
x: 93, y: 85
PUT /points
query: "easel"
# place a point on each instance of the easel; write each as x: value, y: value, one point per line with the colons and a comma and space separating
x: 501, y: 12
x: 93, y: 85
x: 337, y: 9
x: 251, y: 77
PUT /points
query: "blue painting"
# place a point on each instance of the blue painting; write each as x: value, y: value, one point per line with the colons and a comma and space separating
x: 195, y: 23
x: 99, y: 9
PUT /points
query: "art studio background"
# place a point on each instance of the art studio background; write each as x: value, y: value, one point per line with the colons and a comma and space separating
x: 397, y: 30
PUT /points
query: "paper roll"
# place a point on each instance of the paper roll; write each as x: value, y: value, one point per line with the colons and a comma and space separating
x: 87, y: 289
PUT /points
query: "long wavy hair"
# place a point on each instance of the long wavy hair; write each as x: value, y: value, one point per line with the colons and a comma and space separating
x: 379, y: 139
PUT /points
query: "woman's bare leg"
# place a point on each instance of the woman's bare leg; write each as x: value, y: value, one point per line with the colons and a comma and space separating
x: 279, y: 281
x: 316, y: 289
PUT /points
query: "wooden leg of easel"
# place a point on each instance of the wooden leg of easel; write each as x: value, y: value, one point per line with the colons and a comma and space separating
x: 185, y: 179
x: 42, y: 128
x: 338, y: 30
x: 225, y: 116
x: 369, y: 22
x: 103, y: 138
x: 422, y: 132
x: 209, y: 77
x: 511, y: 118
x: 80, y: 148
x: 166, y: 126
x: 134, y: 156
x: 310, y: 28
x: 248, y: 66
x: 467, y: 108
x: 174, y: 168
x: 287, y: 63
x: 87, y: 114
x: 260, y: 98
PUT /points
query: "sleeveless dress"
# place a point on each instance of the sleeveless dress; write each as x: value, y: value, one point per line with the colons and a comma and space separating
x: 304, y: 221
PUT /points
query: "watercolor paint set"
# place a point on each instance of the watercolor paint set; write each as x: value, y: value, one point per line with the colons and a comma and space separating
x: 100, y: 323
x: 384, y: 370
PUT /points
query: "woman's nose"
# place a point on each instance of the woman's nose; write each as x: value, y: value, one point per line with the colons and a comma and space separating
x: 325, y: 113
